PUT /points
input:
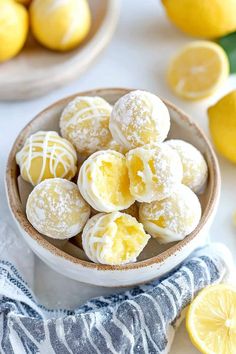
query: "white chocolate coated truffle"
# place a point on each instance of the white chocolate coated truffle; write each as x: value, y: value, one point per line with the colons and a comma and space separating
x: 173, y: 218
x: 139, y: 118
x: 113, y: 239
x: 46, y: 155
x: 56, y: 209
x: 104, y: 182
x: 85, y: 123
x: 154, y: 172
x: 195, y: 171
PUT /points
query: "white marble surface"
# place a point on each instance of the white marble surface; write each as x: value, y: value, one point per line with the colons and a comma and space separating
x: 137, y: 58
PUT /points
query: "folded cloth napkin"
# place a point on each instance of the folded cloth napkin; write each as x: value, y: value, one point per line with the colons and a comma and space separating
x: 141, y: 320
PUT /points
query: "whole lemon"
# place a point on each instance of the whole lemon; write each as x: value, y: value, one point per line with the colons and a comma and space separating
x: 60, y: 25
x: 14, y: 24
x: 222, y: 124
x: 202, y: 18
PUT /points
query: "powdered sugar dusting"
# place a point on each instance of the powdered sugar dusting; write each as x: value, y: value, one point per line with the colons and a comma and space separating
x: 85, y: 122
x: 178, y: 215
x: 139, y: 118
x: 161, y: 174
x: 195, y: 171
x: 56, y: 209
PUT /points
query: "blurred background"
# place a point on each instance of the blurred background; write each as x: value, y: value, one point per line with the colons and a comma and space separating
x: 143, y: 44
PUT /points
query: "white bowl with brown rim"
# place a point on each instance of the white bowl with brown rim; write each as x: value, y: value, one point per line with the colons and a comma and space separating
x: 67, y: 257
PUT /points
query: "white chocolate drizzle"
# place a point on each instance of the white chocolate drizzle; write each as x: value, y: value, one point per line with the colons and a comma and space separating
x: 87, y: 128
x: 60, y: 151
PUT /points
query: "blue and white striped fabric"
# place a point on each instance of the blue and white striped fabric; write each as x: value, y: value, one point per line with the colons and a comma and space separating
x: 141, y: 320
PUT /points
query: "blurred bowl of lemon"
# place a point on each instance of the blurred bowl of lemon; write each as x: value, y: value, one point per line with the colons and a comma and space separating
x: 47, y: 43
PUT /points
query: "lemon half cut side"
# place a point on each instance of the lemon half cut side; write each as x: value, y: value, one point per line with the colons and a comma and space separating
x: 198, y: 70
x: 211, y: 320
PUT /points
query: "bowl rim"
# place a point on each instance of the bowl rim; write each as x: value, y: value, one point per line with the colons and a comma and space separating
x: 20, y: 216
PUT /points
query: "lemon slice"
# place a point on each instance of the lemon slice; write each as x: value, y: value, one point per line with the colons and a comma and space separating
x: 211, y: 320
x: 198, y: 70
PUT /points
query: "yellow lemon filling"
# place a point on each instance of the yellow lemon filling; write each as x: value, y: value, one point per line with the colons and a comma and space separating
x: 154, y: 172
x: 114, y: 238
x: 104, y: 181
x: 112, y: 181
x: 160, y: 222
x: 136, y: 168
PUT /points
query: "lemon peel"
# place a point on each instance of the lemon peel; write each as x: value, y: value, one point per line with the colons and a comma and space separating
x: 222, y: 125
x: 14, y: 25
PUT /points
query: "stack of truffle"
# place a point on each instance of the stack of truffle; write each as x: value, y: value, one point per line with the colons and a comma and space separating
x: 134, y: 184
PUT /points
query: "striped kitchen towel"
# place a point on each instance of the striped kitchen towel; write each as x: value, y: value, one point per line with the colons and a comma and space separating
x: 141, y: 320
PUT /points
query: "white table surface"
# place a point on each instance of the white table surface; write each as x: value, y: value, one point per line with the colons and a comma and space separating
x: 137, y: 58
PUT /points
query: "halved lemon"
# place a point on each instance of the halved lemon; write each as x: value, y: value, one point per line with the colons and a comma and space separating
x: 198, y: 70
x: 211, y: 320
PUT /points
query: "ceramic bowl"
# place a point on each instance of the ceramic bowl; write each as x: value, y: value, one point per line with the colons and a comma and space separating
x: 65, y: 256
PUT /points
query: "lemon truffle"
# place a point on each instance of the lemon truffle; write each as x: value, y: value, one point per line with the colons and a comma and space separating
x: 56, y: 209
x: 46, y: 155
x: 113, y: 239
x: 139, y: 118
x: 60, y: 25
x: 14, y: 25
x: 104, y: 182
x: 154, y: 172
x: 173, y: 218
x: 195, y: 171
x: 85, y: 122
